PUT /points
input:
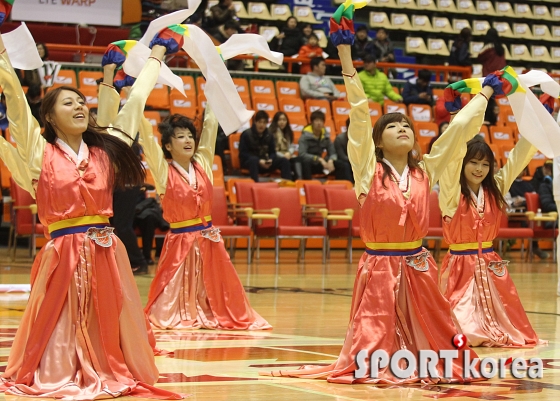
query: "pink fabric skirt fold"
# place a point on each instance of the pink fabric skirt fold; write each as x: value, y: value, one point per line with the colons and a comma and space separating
x: 83, y: 334
x: 395, y: 305
x: 196, y: 286
x: 485, y: 301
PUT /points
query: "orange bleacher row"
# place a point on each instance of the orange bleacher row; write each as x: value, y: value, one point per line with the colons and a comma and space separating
x: 259, y: 94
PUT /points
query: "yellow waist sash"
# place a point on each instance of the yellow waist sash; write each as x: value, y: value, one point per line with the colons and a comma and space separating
x: 393, y: 245
x: 190, y: 223
x: 78, y: 221
x: 469, y: 246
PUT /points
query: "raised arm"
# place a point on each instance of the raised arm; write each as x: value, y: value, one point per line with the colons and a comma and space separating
x: 132, y: 113
x: 361, y: 149
x: 207, y: 145
x: 108, y: 99
x: 451, y: 145
x: 518, y: 158
x: 24, y: 129
x: 14, y: 163
x: 154, y: 156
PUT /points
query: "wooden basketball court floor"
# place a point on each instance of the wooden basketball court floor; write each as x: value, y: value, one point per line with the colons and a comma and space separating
x: 308, y: 304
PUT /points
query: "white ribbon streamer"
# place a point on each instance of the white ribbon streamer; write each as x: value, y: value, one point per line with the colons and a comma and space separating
x: 249, y: 43
x: 22, y: 49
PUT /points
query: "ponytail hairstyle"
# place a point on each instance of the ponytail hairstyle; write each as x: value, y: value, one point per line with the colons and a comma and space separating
x: 127, y: 169
x: 378, y: 129
x: 479, y: 150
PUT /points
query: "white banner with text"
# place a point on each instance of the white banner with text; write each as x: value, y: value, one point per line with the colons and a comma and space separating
x: 95, y: 12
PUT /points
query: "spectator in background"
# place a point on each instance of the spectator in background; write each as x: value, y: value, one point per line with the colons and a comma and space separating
x: 384, y: 51
x: 151, y: 10
x: 313, y: 142
x: 221, y: 13
x: 284, y: 139
x: 223, y: 33
x: 546, y: 195
x: 310, y: 50
x: 376, y: 84
x: 492, y: 55
x: 419, y: 92
x: 36, y: 77
x: 363, y: 44
x: 34, y: 97
x: 460, y: 50
x: 257, y: 150
x: 492, y: 112
x: 442, y: 127
x: 316, y: 85
x: 289, y: 40
x: 306, y: 31
x: 515, y: 199
x: 341, y: 148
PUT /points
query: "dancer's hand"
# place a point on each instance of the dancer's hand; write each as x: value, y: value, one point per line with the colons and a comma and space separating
x: 116, y: 53
x: 172, y: 38
x: 452, y: 98
x: 5, y: 8
x: 504, y: 82
x: 342, y: 24
x: 122, y: 79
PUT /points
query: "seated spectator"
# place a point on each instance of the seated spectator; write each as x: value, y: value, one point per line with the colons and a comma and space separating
x: 35, y: 99
x: 310, y: 50
x: 306, y: 31
x: 284, y: 139
x: 341, y: 148
x: 460, y: 50
x: 492, y: 112
x: 221, y: 13
x: 545, y: 190
x: 313, y: 142
x: 515, y: 199
x: 316, y: 85
x: 442, y: 127
x: 363, y: 44
x: 223, y: 33
x: 419, y: 92
x: 492, y: 55
x: 148, y: 217
x: 257, y: 151
x: 289, y: 40
x: 375, y: 82
x: 384, y: 51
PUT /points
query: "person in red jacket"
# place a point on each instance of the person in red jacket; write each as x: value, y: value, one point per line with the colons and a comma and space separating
x: 310, y: 50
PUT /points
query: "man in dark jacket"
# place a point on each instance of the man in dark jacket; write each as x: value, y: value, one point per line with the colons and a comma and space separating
x: 419, y: 92
x: 546, y: 196
x: 341, y: 148
x: 313, y: 142
x: 363, y: 44
x: 257, y: 151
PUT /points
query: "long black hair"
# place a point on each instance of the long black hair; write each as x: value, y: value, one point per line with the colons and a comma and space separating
x: 492, y: 37
x: 478, y: 149
x: 287, y: 131
x: 127, y: 168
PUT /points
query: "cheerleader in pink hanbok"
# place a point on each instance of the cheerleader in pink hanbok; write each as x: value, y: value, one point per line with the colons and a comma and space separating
x: 196, y: 285
x: 396, y: 304
x: 474, y: 278
x: 83, y: 334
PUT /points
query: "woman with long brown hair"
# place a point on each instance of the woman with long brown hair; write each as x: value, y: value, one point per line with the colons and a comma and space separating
x: 396, y: 304
x: 474, y: 278
x: 83, y: 334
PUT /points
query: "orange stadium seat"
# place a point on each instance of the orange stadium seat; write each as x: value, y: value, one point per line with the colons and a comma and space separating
x: 266, y: 103
x: 292, y: 105
x: 182, y: 105
x: 89, y: 78
x: 312, y: 105
x: 159, y: 97
x: 287, y: 89
x: 65, y: 78
x: 262, y: 88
